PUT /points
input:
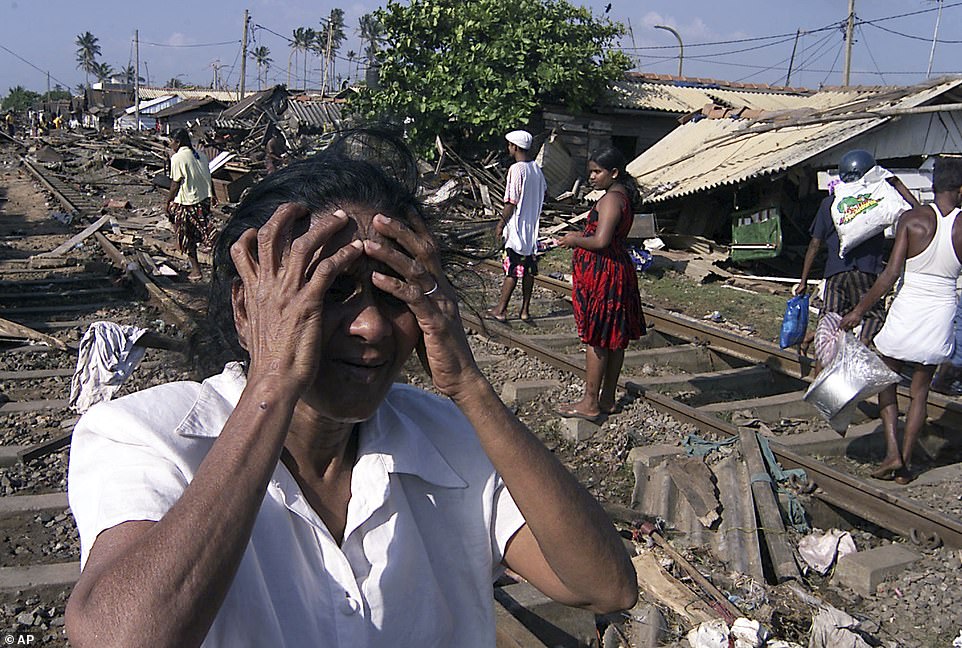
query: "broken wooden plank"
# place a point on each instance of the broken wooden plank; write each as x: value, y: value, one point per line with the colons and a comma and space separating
x: 64, y: 247
x: 669, y: 591
x: 21, y: 332
x: 694, y: 480
x: 771, y: 526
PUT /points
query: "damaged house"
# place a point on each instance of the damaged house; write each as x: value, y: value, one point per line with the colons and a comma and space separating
x: 755, y: 166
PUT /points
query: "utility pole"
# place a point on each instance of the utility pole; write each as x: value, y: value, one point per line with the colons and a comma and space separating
x: 935, y: 38
x: 137, y: 77
x: 244, y: 54
x: 791, y: 61
x: 849, y: 28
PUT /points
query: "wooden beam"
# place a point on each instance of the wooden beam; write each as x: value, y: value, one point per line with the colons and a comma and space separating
x: 64, y: 247
x: 21, y: 332
x: 770, y: 524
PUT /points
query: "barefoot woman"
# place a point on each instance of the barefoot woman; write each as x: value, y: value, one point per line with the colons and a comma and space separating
x: 607, y: 305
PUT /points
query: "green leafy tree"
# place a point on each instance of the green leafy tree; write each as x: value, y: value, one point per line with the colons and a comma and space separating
x: 476, y: 69
x: 262, y: 59
x: 87, y: 52
x: 174, y: 83
x: 57, y: 94
x: 19, y: 99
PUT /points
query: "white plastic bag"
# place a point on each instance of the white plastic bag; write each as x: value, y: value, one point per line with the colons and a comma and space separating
x: 855, y: 374
x: 863, y: 208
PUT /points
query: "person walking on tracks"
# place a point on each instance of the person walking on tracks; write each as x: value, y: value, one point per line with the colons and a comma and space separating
x: 919, y: 327
x: 524, y: 192
x: 190, y: 199
x: 848, y: 278
x: 605, y: 297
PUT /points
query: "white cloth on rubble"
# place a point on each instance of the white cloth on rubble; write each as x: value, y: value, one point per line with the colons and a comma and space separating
x: 820, y: 550
x: 920, y: 324
x: 106, y: 358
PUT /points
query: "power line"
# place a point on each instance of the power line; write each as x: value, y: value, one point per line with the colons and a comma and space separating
x: 871, y: 56
x: 910, y: 36
x: 46, y: 72
x: 232, y: 42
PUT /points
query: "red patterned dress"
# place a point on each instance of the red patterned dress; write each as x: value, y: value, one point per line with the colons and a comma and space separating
x: 607, y: 305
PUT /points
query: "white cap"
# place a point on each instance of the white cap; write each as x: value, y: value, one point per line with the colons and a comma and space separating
x: 520, y: 138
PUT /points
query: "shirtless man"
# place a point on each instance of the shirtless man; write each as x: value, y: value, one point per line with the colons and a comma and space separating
x: 919, y: 326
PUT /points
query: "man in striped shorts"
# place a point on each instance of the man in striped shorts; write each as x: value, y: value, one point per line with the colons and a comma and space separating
x: 848, y: 278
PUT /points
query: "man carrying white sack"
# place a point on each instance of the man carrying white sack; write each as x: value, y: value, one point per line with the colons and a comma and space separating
x: 919, y: 330
x: 848, y: 278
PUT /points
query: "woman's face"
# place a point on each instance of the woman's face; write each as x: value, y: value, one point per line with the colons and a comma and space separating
x: 367, y: 335
x: 598, y: 177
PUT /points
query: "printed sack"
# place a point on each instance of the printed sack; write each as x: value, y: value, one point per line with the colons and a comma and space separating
x: 794, y: 322
x: 863, y: 208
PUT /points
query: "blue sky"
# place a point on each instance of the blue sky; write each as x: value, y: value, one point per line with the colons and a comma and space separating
x: 175, y: 36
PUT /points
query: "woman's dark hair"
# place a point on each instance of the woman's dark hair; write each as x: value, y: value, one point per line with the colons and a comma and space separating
x: 610, y: 158
x: 182, y: 137
x: 367, y: 168
x: 947, y: 174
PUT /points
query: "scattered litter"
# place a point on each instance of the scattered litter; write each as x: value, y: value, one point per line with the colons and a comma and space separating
x: 832, y: 628
x: 62, y: 217
x: 957, y: 642
x: 794, y: 321
x: 710, y: 634
x: 654, y: 244
x: 748, y: 633
x: 820, y: 550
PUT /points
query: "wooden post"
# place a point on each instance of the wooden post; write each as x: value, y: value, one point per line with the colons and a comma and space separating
x: 769, y: 516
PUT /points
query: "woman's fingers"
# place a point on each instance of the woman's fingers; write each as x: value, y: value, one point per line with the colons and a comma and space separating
x: 328, y: 268
x: 419, y: 243
x: 242, y: 254
x: 417, y: 280
x: 306, y: 247
x: 274, y: 236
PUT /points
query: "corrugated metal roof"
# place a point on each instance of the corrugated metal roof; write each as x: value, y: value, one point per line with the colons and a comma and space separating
x: 324, y: 115
x: 690, y: 95
x: 184, y: 93
x: 708, y: 153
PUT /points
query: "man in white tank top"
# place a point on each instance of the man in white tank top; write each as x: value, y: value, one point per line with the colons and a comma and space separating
x: 919, y: 325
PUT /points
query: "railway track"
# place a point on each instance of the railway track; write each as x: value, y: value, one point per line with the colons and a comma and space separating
x: 700, y: 375
x: 55, y: 281
x: 723, y: 373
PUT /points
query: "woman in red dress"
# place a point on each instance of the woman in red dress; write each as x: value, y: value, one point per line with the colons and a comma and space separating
x: 607, y: 306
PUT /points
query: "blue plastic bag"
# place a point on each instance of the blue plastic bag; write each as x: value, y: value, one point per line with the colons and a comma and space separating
x: 640, y: 257
x: 794, y: 322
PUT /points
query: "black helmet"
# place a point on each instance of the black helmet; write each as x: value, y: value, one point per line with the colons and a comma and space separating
x: 855, y: 164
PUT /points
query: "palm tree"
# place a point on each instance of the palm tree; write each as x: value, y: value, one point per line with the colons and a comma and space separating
x: 302, y: 41
x: 330, y: 38
x: 351, y: 55
x: 371, y: 32
x: 262, y: 59
x: 129, y: 74
x: 87, y: 52
x: 103, y: 71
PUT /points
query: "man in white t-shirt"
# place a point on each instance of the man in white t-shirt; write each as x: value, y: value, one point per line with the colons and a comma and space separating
x: 518, y: 227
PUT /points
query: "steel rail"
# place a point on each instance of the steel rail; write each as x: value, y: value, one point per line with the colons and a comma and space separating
x: 116, y: 256
x: 887, y: 510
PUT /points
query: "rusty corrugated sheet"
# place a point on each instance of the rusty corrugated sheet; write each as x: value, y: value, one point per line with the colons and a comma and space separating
x: 708, y: 153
